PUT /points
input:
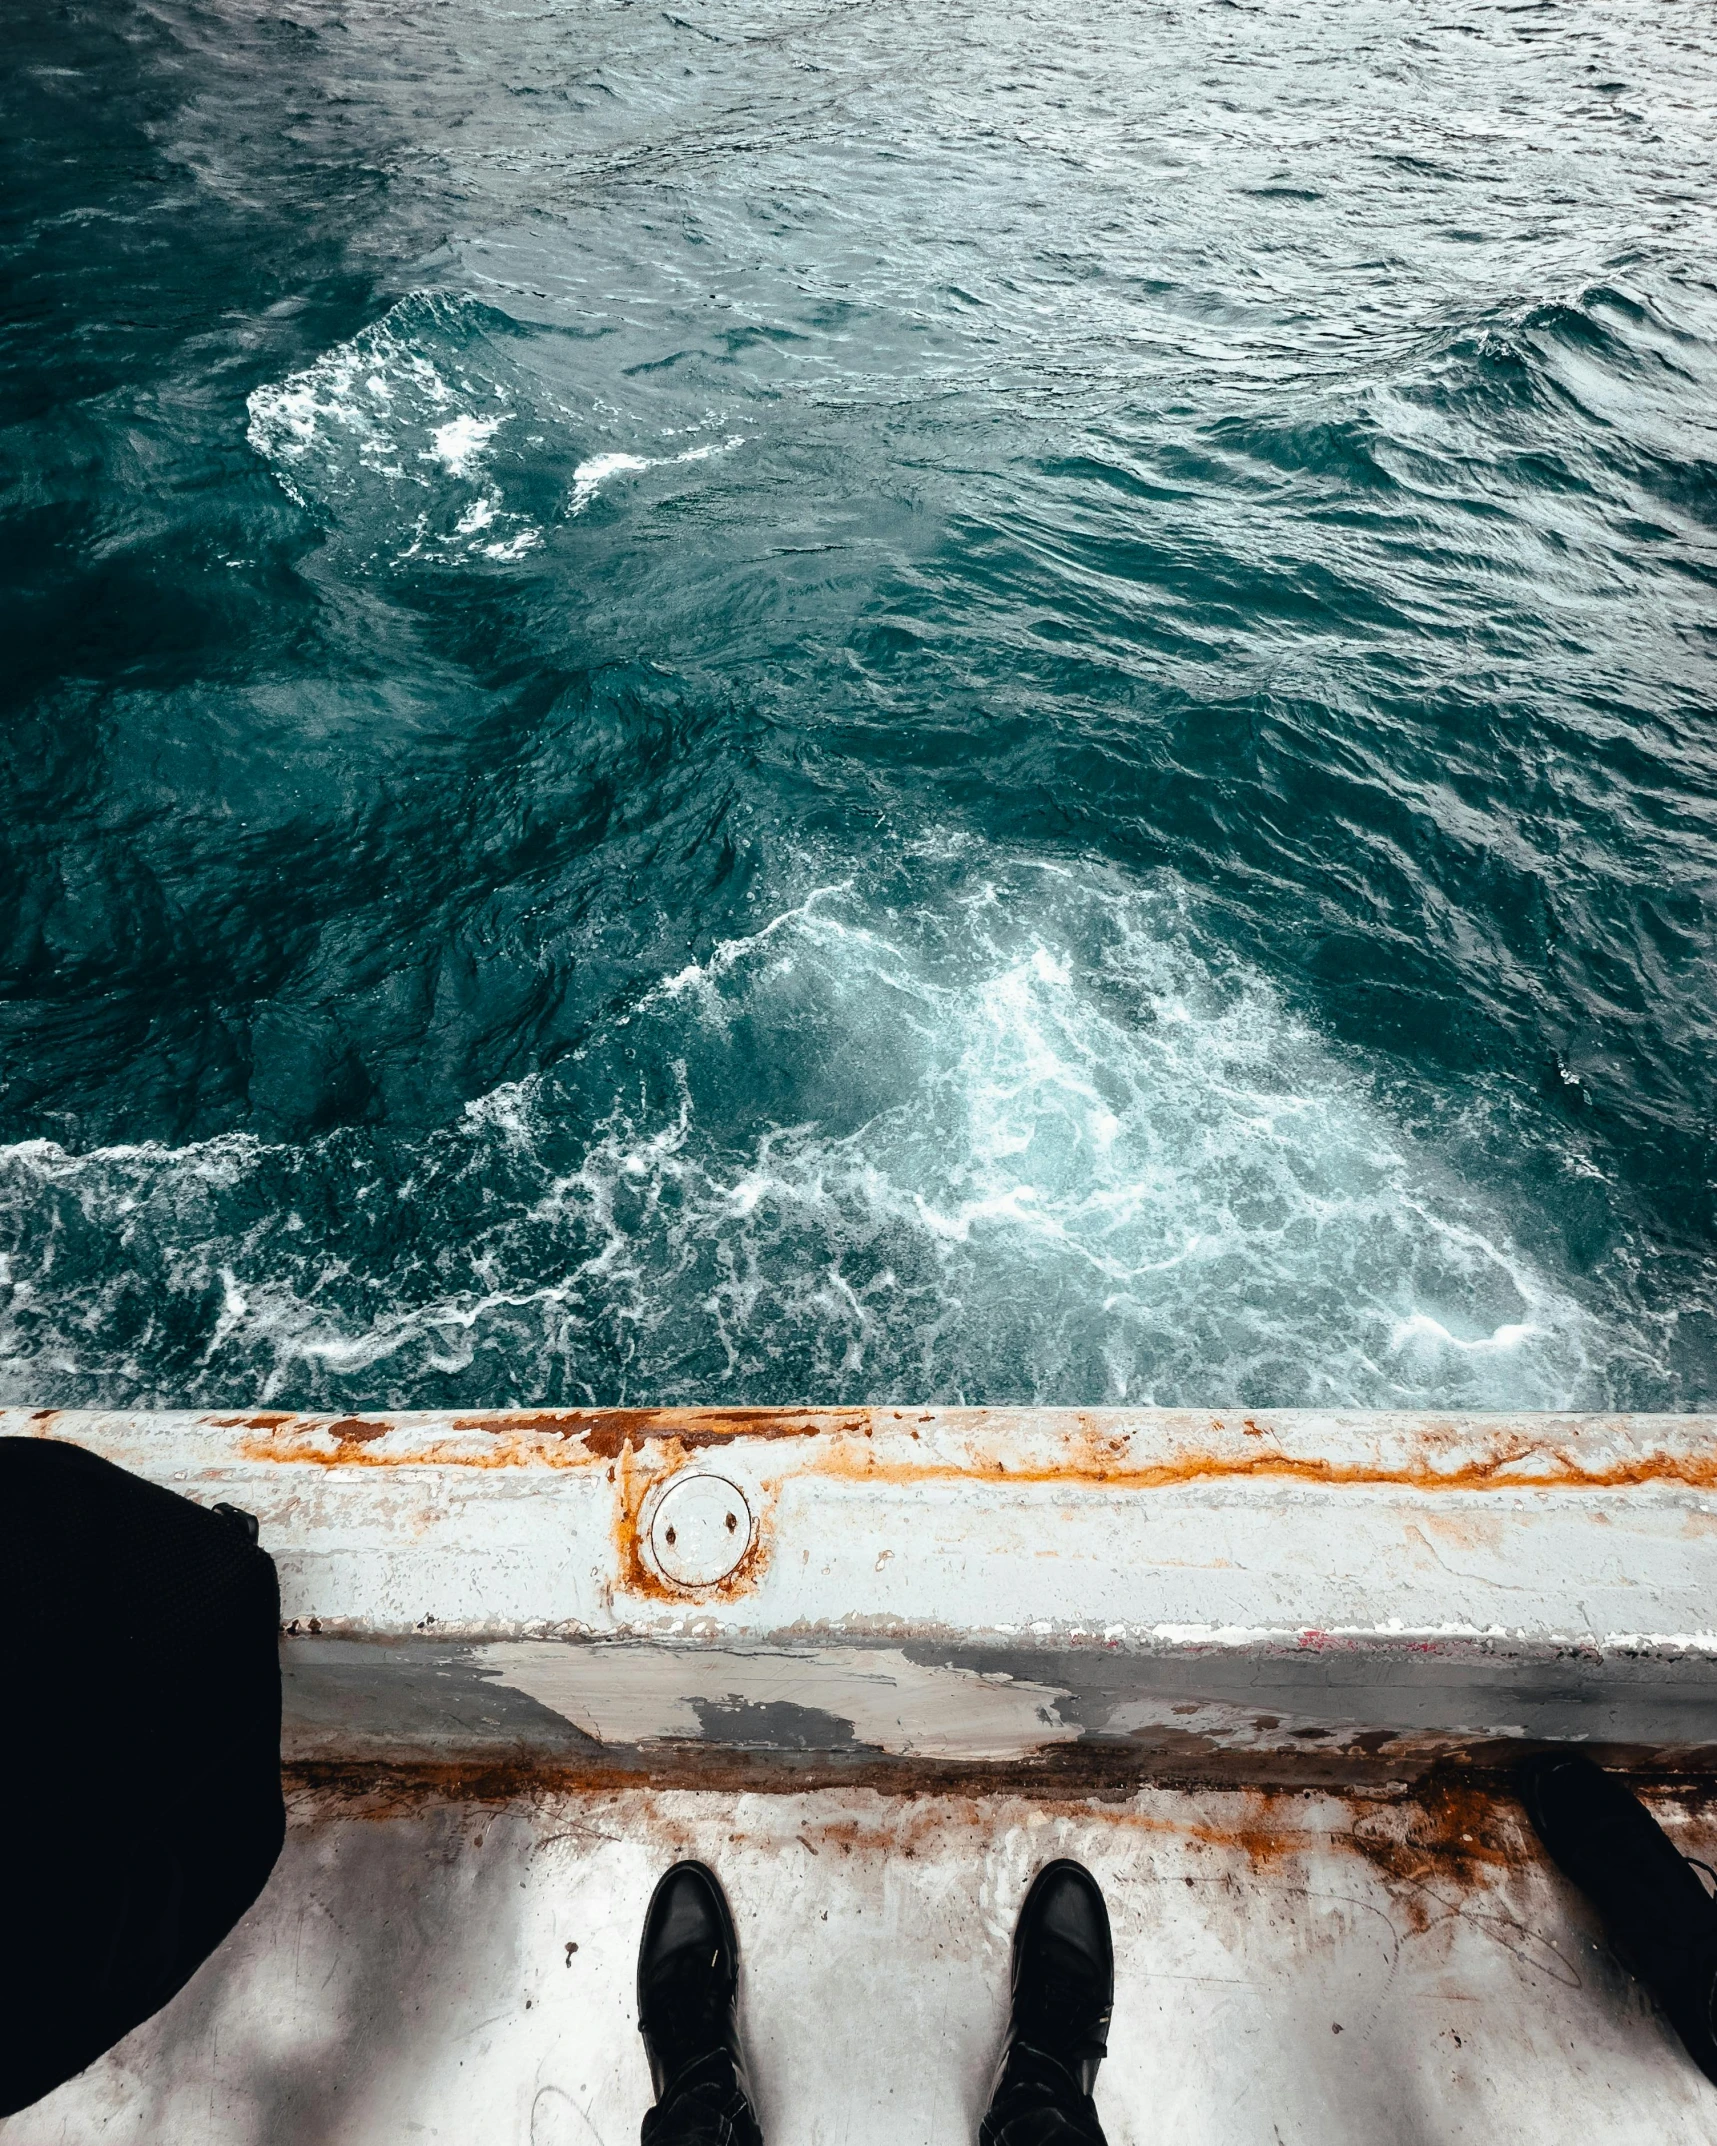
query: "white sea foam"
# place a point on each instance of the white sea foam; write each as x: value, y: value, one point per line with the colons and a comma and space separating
x: 389, y: 435
x: 1046, y: 1142
x: 457, y: 444
x: 590, y: 476
x: 1141, y: 1164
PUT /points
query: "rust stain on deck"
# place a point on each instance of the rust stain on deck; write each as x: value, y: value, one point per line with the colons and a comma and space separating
x: 606, y: 1431
x: 1453, y: 1827
x: 1028, y: 1448
x: 1435, y: 1845
x: 357, y: 1430
x: 1504, y: 1470
x: 1448, y: 1853
x: 637, y: 1574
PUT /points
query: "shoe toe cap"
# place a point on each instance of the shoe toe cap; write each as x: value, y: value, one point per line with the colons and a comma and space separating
x: 1066, y: 1910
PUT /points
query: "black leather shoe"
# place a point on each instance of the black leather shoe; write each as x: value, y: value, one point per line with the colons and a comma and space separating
x: 1063, y: 1991
x: 1660, y: 1917
x: 688, y: 1986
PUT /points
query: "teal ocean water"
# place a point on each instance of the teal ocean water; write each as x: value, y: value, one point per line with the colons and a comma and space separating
x: 755, y: 701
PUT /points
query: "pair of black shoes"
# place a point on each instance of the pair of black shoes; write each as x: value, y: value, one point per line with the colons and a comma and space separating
x: 1063, y: 1989
x: 1659, y: 1916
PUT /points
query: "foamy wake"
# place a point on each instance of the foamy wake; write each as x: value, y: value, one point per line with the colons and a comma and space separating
x: 1041, y: 1143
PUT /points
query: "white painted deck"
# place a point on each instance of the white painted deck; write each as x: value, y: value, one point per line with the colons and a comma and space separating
x: 407, y: 1979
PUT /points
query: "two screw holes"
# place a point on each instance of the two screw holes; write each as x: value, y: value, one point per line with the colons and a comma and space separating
x: 700, y: 1530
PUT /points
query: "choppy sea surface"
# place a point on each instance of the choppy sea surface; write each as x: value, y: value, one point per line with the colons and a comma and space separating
x: 754, y: 701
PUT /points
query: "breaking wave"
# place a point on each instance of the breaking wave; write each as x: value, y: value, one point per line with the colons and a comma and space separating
x: 439, y: 435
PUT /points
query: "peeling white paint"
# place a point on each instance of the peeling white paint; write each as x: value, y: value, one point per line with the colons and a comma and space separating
x: 642, y: 1694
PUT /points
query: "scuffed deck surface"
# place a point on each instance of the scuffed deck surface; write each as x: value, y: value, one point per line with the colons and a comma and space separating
x: 1292, y: 1968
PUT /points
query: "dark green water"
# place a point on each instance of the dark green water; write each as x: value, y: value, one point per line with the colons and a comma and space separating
x: 764, y: 701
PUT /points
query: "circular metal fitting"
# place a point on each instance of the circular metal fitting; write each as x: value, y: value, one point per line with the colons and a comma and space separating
x: 700, y: 1530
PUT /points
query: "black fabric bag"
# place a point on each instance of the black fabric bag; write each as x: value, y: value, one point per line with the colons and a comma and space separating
x: 140, y: 1804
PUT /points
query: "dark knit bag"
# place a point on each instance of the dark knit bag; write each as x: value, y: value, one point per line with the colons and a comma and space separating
x: 140, y: 1804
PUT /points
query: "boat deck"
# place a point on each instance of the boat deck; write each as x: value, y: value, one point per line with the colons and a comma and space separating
x: 1292, y: 1967
x: 1267, y: 1676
